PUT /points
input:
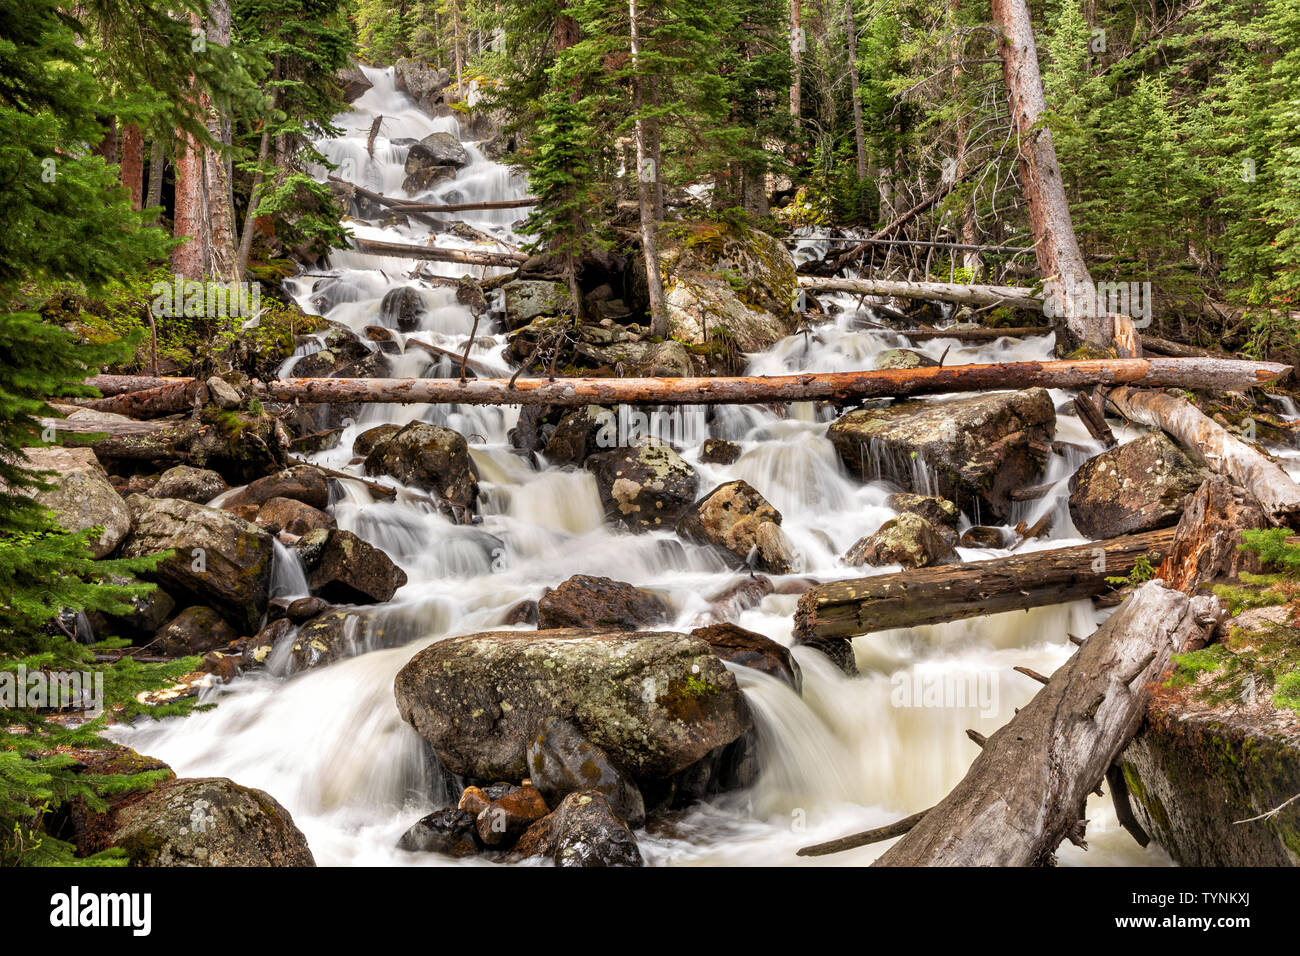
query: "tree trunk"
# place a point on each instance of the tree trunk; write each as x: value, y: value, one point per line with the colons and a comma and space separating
x: 645, y: 177
x: 1016, y: 297
x: 121, y: 384
x: 1027, y: 789
x: 951, y: 592
x: 1212, y: 445
x: 255, y: 193
x: 471, y: 257
x: 155, y: 402
x: 157, y: 164
x: 796, y: 59
x: 132, y: 164
x: 826, y: 386
x: 859, y: 132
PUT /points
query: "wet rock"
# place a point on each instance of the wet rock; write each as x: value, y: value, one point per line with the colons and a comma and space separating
x: 525, y: 612
x: 583, y: 831
x: 193, y: 631
x: 303, y: 483
x: 435, y: 158
x: 751, y: 649
x: 430, y: 457
x: 527, y: 299
x: 655, y: 702
x: 345, y: 569
x: 343, y: 354
x: 292, y: 516
x: 904, y: 358
x: 973, y: 451
x: 645, y: 487
x: 450, y: 832
x: 222, y: 559
x: 369, y: 439
x: 581, y: 433
x: 562, y: 761
x: 729, y: 518
x: 352, y: 82
x: 82, y: 496
x: 1134, y: 487
x: 421, y: 82
x: 303, y: 609
x: 223, y: 394
x: 719, y: 451
x: 938, y: 511
x: 199, y: 485
x: 503, y: 821
x: 587, y: 601
x: 207, y: 821
x: 401, y: 309
x: 986, y: 536
x: 326, y: 638
x: 908, y: 540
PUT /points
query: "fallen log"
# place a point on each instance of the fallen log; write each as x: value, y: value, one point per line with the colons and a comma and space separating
x: 844, y: 609
x: 411, y: 205
x: 1027, y: 789
x: 841, y: 387
x: 975, y: 335
x: 155, y: 402
x: 108, y: 385
x: 976, y: 295
x: 469, y: 257
x: 1212, y: 445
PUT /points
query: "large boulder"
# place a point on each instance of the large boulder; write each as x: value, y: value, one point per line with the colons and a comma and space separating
x: 562, y: 761
x: 584, y: 830
x: 727, y: 282
x: 1135, y: 487
x: 304, y: 483
x: 435, y: 158
x: 973, y: 450
x: 581, y: 433
x: 587, y: 601
x: 421, y: 82
x: 207, y: 821
x: 526, y: 299
x: 342, y: 353
x: 194, y: 631
x: 751, y: 649
x: 82, y: 497
x: 645, y: 487
x: 199, y: 485
x: 730, y: 518
x: 297, y: 518
x: 431, y: 457
x: 218, y: 557
x: 402, y: 309
x: 352, y: 83
x: 908, y: 540
x: 655, y: 702
x: 345, y: 569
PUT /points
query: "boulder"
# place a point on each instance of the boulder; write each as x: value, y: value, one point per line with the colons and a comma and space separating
x: 343, y: 353
x: 940, y: 512
x: 1134, y: 487
x: 645, y: 487
x: 431, y: 457
x: 719, y: 451
x: 436, y: 157
x: 655, y: 702
x: 401, y: 309
x: 562, y: 761
x: 199, y: 485
x: 583, y: 831
x: 193, y: 631
x: 352, y: 82
x: 587, y: 601
x: 345, y: 569
x: 503, y: 820
x: 973, y: 450
x: 240, y: 445
x: 326, y: 638
x: 451, y: 832
x: 297, y: 518
x: 365, y: 442
x: 301, y: 610
x: 581, y: 433
x: 304, y: 483
x: 207, y: 821
x: 421, y: 82
x: 728, y: 518
x: 904, y: 358
x: 986, y: 536
x: 223, y: 394
x: 148, y: 613
x: 220, y: 558
x: 668, y: 359
x: 82, y: 497
x: 908, y: 540
x: 751, y: 649
x: 526, y: 299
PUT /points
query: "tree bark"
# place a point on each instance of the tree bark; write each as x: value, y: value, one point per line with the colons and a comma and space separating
x: 645, y: 177
x: 154, y: 402
x: 1017, y: 297
x: 157, y: 164
x: 845, y: 609
x: 108, y: 385
x: 859, y: 131
x: 1212, y: 445
x: 827, y: 386
x: 796, y: 59
x: 132, y: 164
x: 255, y: 193
x: 1027, y: 789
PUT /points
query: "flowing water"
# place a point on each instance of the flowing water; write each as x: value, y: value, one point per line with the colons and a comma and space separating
x: 847, y: 754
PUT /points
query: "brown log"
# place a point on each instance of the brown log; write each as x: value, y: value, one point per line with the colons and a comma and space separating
x: 829, y: 386
x: 469, y: 257
x: 1206, y: 549
x: 1027, y: 789
x: 154, y: 402
x: 1092, y: 413
x: 108, y: 385
x: 976, y: 335
x: 1212, y: 445
x: 844, y: 609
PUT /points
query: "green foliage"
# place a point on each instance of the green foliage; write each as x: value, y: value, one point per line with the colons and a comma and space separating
x: 1143, y: 571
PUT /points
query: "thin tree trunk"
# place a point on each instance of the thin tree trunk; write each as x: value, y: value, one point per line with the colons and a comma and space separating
x: 255, y: 193
x: 859, y: 132
x: 644, y: 180
x: 157, y: 164
x: 796, y: 57
x: 132, y: 164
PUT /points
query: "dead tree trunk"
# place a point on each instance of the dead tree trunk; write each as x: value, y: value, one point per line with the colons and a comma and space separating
x: 1205, y: 549
x: 796, y: 59
x: 829, y: 386
x: 844, y: 609
x: 167, y: 399
x: 646, y: 175
x: 108, y: 385
x: 1027, y: 789
x: 1213, y: 445
x: 469, y: 257
x: 1016, y: 297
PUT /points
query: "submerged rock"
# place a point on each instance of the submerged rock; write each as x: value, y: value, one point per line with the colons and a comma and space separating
x: 587, y: 601
x: 583, y: 831
x: 450, y: 831
x: 1135, y: 487
x: 346, y: 569
x: 908, y: 540
x: 731, y: 518
x: 973, y: 451
x: 562, y: 761
x: 644, y: 488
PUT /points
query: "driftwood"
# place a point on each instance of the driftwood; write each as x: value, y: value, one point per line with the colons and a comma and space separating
x: 832, y: 386
x: 1213, y: 445
x: 154, y: 402
x: 976, y: 295
x: 469, y: 257
x: 1205, y: 549
x: 1027, y: 789
x: 411, y: 205
x: 108, y: 385
x: 949, y: 592
x: 975, y: 335
x: 865, y: 838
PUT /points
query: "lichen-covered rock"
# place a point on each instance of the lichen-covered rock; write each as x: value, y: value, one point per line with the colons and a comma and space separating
x: 579, y: 434
x: 583, y: 831
x: 588, y: 601
x: 654, y: 701
x: 973, y: 451
x: 751, y: 649
x: 297, y: 518
x: 304, y: 483
x: 326, y: 638
x: 1134, y: 487
x: 199, y: 485
x: 562, y: 761
x: 431, y: 457
x: 241, y: 445
x: 908, y: 540
x: 729, y: 518
x: 938, y: 511
x: 630, y: 358
x: 343, y: 353
x: 450, y: 831
x: 904, y: 358
x: 82, y: 496
x: 526, y: 299
x: 725, y: 281
x: 207, y: 821
x: 719, y: 451
x: 421, y: 82
x: 343, y: 568
x: 220, y: 558
x: 645, y: 487
x: 193, y: 631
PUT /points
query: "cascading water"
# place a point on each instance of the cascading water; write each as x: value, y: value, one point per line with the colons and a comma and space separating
x: 847, y: 754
